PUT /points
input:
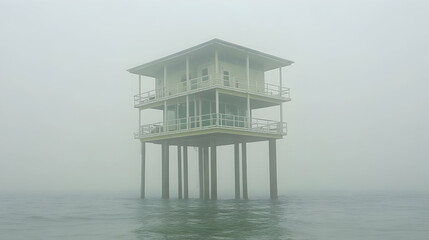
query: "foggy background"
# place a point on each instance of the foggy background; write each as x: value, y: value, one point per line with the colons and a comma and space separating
x: 358, y: 119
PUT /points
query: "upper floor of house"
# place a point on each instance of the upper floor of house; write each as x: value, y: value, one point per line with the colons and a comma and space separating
x: 213, y: 64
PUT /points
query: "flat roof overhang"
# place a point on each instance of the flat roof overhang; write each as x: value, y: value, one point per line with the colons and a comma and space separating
x: 257, y: 59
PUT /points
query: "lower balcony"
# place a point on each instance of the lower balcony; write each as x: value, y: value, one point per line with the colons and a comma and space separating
x: 212, y: 121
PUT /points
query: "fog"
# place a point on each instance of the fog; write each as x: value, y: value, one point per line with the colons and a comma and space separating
x: 358, y: 119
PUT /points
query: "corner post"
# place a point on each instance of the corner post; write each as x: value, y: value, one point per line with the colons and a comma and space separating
x: 273, y: 168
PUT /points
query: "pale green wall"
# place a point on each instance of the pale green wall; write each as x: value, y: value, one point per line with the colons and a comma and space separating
x: 236, y: 69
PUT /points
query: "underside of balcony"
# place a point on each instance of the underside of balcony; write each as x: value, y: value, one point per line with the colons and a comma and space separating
x: 196, y: 138
x: 228, y: 129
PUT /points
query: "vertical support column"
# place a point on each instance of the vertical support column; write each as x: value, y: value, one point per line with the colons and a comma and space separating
x: 206, y: 174
x: 273, y: 168
x: 213, y: 168
x: 140, y: 84
x: 164, y: 91
x: 195, y: 112
x: 280, y: 80
x: 201, y: 171
x: 249, y: 115
x: 179, y: 171
x: 244, y: 169
x: 216, y: 62
x: 140, y: 121
x: 142, y: 166
x: 217, y: 107
x: 237, y: 170
x: 248, y: 72
x: 165, y: 171
x: 140, y: 95
x: 165, y: 116
x: 199, y: 111
x: 185, y: 172
x: 187, y: 74
x: 187, y: 111
x: 280, y: 93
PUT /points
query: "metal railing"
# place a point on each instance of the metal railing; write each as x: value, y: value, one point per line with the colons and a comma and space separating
x: 203, y: 82
x: 212, y: 120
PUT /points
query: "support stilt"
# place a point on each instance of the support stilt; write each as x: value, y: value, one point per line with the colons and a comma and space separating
x: 201, y: 171
x: 179, y: 171
x: 206, y: 174
x: 165, y: 171
x: 185, y: 172
x: 244, y: 169
x: 213, y: 168
x: 237, y: 170
x: 273, y: 169
x: 143, y: 165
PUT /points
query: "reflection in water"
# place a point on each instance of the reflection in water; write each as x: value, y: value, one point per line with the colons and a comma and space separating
x: 221, y: 219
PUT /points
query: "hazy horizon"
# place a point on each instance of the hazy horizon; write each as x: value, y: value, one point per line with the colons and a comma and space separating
x: 357, y: 122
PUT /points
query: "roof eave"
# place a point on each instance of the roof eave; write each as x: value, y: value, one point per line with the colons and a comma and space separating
x: 135, y: 70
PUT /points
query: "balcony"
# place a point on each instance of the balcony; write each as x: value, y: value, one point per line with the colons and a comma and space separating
x: 207, y: 82
x: 208, y: 121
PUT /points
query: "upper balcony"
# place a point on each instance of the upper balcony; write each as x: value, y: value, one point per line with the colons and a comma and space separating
x: 208, y: 82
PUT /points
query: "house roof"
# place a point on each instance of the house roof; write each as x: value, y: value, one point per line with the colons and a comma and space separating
x: 267, y: 61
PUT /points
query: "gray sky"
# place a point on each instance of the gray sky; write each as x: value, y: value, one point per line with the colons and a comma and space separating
x: 358, y: 119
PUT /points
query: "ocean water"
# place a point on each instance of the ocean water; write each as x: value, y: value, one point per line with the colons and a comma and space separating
x: 295, y: 216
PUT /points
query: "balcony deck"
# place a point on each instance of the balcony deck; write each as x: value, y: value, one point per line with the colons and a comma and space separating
x: 209, y: 82
x: 195, y: 125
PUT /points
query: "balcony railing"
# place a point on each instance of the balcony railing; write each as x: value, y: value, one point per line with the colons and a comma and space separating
x: 204, y: 82
x: 212, y: 120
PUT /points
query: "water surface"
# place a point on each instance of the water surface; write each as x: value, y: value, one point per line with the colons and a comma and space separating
x: 356, y: 216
